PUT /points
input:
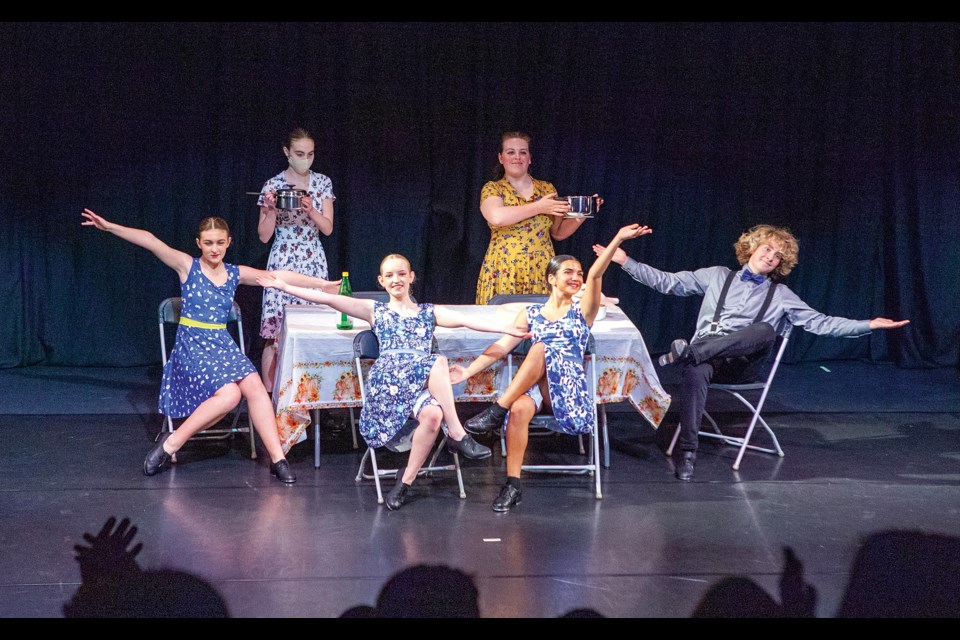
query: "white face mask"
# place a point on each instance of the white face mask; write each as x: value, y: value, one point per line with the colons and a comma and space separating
x: 300, y: 165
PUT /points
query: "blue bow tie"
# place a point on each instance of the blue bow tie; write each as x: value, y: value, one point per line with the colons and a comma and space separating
x: 748, y: 275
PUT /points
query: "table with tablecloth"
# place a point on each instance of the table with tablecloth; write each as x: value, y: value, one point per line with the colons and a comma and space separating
x: 316, y: 370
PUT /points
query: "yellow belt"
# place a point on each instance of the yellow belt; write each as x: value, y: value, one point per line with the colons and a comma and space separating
x: 190, y: 322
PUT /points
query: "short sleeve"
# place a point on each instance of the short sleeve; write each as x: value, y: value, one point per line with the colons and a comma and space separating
x: 491, y: 189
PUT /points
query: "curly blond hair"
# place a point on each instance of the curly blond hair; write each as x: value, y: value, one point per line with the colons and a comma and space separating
x: 757, y: 235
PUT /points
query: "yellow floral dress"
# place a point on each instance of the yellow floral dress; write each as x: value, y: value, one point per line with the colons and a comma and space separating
x: 517, y: 256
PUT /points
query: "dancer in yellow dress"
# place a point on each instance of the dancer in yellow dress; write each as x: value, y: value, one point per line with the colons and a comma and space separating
x: 523, y: 218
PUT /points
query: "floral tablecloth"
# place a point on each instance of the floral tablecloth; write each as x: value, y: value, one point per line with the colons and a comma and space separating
x: 315, y: 367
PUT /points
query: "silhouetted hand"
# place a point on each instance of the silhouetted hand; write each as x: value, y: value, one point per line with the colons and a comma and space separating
x: 798, y: 598
x: 108, y: 556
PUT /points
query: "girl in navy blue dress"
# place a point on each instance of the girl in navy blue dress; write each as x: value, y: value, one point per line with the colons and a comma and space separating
x: 409, y: 390
x: 554, y: 364
x: 207, y: 374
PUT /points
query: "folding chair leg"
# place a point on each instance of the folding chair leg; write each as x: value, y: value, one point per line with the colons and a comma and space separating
x: 376, y: 475
x: 251, y: 433
x: 596, y: 461
x: 606, y: 438
x: 363, y: 462
x: 673, y: 442
x: 353, y: 429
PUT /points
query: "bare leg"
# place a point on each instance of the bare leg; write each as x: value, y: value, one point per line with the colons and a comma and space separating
x: 518, y: 428
x: 532, y: 369
x: 261, y: 413
x: 441, y: 388
x: 268, y: 364
x: 209, y: 412
x: 424, y: 436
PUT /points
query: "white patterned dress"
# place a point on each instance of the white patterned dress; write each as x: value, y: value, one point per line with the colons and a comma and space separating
x: 203, y: 359
x: 296, y: 247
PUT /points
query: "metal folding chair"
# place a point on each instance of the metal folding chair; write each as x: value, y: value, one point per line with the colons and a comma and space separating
x: 737, y: 390
x: 505, y: 298
x: 367, y: 347
x: 546, y: 424
x: 168, y: 315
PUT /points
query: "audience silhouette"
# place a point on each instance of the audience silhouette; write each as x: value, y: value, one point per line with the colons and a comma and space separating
x: 113, y: 585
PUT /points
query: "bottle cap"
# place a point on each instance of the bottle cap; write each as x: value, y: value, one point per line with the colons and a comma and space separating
x: 345, y: 273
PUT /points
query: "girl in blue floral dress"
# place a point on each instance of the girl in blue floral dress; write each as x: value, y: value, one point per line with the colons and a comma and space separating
x: 409, y: 393
x: 296, y: 235
x: 207, y: 374
x: 553, y: 366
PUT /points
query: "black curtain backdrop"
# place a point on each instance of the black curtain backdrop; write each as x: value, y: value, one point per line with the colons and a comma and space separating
x: 848, y: 133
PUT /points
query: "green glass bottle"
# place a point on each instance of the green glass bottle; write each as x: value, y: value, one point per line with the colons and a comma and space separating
x: 346, y: 322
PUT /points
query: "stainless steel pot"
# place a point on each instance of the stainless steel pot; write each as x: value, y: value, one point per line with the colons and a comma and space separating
x: 289, y: 198
x: 582, y: 206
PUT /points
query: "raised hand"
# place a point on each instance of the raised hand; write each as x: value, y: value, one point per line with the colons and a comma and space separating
x: 633, y: 231
x: 886, y: 323
x: 619, y: 256
x: 797, y: 597
x: 93, y: 220
x: 599, y: 201
x: 108, y: 557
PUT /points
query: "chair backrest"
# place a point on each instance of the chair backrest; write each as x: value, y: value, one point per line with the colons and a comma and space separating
x: 366, y: 346
x: 504, y: 298
x: 168, y: 313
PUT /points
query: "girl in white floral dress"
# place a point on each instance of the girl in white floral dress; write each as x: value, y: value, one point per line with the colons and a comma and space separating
x: 295, y: 233
x: 554, y: 364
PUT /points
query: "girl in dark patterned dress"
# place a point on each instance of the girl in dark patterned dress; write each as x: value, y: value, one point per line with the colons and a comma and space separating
x: 409, y: 390
x: 554, y: 364
x: 207, y: 374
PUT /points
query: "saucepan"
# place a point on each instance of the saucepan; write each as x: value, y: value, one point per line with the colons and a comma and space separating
x: 581, y: 206
x: 289, y: 198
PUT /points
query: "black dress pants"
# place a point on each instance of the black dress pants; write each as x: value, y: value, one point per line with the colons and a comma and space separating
x: 736, y: 357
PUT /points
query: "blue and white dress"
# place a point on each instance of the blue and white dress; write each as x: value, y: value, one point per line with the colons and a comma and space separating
x: 296, y: 247
x: 397, y: 382
x: 203, y: 359
x: 565, y: 343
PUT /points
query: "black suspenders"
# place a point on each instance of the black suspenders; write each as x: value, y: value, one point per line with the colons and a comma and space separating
x: 723, y: 298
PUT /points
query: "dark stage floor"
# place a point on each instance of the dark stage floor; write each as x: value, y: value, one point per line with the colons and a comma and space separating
x: 867, y: 448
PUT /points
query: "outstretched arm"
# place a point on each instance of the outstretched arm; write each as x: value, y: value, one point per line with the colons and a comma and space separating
x: 447, y: 317
x: 176, y: 260
x: 356, y: 307
x: 249, y: 275
x: 590, y: 302
x: 491, y: 354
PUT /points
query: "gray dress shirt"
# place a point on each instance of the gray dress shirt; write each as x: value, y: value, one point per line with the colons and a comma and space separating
x: 744, y: 300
